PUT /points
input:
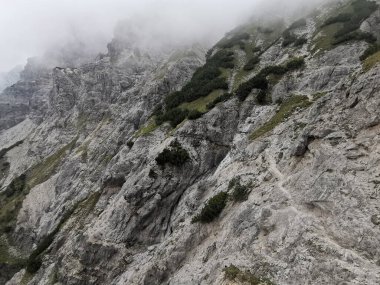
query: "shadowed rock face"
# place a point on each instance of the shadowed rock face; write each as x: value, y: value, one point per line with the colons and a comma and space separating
x: 92, y: 204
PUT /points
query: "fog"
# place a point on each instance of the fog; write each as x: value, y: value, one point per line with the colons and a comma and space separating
x: 31, y: 27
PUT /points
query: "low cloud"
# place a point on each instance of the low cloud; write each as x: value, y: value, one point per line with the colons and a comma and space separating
x: 30, y: 28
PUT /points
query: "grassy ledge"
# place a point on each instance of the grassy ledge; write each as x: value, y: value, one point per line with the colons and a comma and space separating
x: 233, y: 273
x: 371, y: 61
x: 201, y: 103
x: 145, y: 130
x: 286, y: 110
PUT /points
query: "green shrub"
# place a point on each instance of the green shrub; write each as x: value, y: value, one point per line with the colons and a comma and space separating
x: 251, y: 63
x: 212, y: 209
x: 273, y: 69
x: 130, y: 143
x: 295, y: 63
x: 174, y: 116
x: 257, y: 82
x: 233, y: 182
x: 174, y: 155
x: 261, y: 97
x: 240, y: 193
x: 194, y: 114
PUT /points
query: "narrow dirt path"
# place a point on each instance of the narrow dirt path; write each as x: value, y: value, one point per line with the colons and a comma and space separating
x: 277, y: 173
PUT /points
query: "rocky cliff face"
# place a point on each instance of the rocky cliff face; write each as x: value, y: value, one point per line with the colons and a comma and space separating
x: 274, y: 185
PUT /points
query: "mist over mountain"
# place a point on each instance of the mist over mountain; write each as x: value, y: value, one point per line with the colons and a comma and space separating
x: 32, y: 28
x: 179, y: 142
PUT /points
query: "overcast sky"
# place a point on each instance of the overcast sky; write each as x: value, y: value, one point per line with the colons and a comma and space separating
x: 30, y: 27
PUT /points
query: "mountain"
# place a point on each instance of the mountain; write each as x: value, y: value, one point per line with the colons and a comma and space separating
x: 256, y: 162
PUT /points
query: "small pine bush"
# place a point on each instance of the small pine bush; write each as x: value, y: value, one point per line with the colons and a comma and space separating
x: 295, y: 63
x: 175, y: 155
x: 212, y: 209
x: 130, y: 143
x: 174, y: 116
x: 262, y: 97
x: 257, y: 82
x: 239, y: 192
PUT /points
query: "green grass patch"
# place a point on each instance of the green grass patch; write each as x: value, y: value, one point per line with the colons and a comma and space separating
x: 233, y: 273
x: 287, y: 108
x: 325, y: 39
x: 201, y: 103
x: 371, y: 61
x: 146, y: 129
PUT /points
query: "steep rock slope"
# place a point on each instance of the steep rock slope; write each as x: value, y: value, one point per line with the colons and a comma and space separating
x: 112, y: 180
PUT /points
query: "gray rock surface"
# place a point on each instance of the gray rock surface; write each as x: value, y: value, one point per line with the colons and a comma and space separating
x: 116, y: 217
